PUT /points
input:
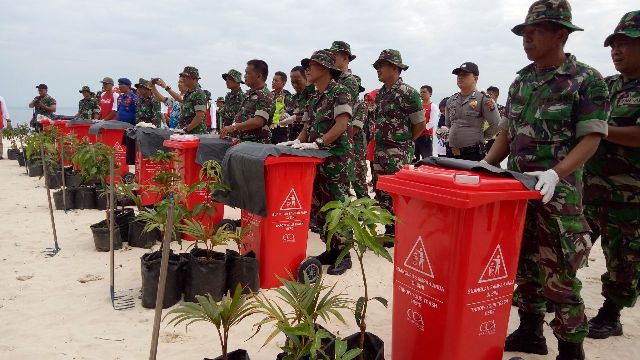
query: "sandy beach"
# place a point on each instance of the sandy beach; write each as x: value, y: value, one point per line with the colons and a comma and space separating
x: 59, y: 307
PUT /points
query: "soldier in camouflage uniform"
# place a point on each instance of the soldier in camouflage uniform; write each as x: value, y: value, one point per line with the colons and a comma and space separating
x: 326, y: 122
x: 612, y: 182
x: 233, y: 99
x: 555, y: 118
x: 253, y: 121
x: 304, y: 90
x: 148, y: 106
x: 398, y: 121
x: 194, y: 103
x: 43, y: 104
x: 88, y: 107
x: 358, y: 126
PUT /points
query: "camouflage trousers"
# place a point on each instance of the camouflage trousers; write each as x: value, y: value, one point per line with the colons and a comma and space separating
x: 387, y: 161
x: 359, y: 179
x: 331, y: 183
x: 554, y: 247
x: 619, y: 228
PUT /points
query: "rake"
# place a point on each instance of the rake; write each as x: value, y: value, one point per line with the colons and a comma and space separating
x: 164, y: 265
x: 64, y: 182
x: 49, y: 252
x: 120, y: 300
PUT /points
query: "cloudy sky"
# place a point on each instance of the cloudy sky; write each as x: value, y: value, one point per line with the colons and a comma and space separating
x: 67, y: 44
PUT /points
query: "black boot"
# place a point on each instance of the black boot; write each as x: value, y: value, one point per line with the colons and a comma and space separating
x: 570, y: 351
x: 328, y: 257
x: 342, y: 267
x: 528, y: 337
x: 607, y: 322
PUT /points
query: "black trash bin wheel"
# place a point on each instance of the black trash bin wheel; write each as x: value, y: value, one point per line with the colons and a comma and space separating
x: 310, y: 267
x: 128, y: 178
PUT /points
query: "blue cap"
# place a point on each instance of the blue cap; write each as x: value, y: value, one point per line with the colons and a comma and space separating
x: 124, y: 81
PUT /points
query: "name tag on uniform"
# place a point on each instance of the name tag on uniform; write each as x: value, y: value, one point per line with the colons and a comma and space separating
x: 629, y: 101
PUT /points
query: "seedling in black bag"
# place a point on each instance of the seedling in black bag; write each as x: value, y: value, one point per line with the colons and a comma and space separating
x: 356, y: 222
x: 307, y: 303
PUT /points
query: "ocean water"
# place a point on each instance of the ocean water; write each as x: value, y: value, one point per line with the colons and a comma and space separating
x: 22, y: 115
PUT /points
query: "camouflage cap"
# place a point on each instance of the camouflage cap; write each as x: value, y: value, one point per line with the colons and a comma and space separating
x: 234, y: 74
x: 191, y: 71
x: 143, y: 83
x: 342, y: 46
x: 107, y: 80
x: 85, y: 88
x: 629, y: 26
x: 557, y: 11
x: 323, y: 57
x: 220, y: 99
x: 359, y: 80
x: 391, y: 56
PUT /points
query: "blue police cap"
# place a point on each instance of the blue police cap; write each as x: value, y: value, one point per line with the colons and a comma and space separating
x: 124, y: 81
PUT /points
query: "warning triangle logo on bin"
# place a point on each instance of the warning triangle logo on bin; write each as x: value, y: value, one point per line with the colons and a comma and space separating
x: 291, y: 202
x: 495, y: 268
x: 418, y: 259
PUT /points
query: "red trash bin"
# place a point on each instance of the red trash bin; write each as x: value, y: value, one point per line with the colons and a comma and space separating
x: 63, y: 131
x: 280, y: 239
x: 146, y: 170
x: 186, y: 166
x: 458, y: 240
x: 81, y: 131
x: 113, y: 138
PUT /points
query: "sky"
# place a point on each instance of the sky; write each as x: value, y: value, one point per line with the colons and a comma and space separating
x: 67, y: 44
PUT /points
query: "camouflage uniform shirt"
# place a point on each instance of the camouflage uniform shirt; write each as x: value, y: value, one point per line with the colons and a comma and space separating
x: 232, y: 106
x: 322, y: 110
x: 149, y: 111
x: 87, y: 108
x: 193, y: 101
x: 613, y: 173
x: 397, y: 109
x: 547, y: 114
x: 256, y: 103
x: 350, y: 82
x: 48, y: 101
x: 300, y: 99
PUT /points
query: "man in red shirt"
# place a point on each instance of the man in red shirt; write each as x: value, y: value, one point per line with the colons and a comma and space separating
x: 424, y: 143
x: 108, y: 100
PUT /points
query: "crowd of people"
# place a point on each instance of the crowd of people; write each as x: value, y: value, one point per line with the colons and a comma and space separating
x: 560, y: 115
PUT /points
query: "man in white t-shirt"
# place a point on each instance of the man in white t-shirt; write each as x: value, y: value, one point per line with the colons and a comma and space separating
x: 4, y: 119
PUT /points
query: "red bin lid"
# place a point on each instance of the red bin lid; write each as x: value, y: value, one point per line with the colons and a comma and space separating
x: 458, y: 188
x: 458, y: 179
x: 181, y: 144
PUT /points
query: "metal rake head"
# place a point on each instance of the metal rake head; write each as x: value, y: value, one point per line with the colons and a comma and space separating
x: 51, y: 251
x: 122, y: 300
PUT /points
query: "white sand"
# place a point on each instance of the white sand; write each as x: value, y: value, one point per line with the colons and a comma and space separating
x: 59, y: 308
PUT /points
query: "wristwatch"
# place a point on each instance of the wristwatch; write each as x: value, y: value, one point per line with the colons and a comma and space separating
x: 167, y: 87
x: 319, y: 142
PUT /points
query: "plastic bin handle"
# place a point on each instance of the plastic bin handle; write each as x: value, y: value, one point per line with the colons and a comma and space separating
x: 457, y: 164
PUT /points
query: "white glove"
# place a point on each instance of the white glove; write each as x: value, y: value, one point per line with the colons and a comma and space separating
x: 287, y: 121
x: 547, y: 181
x: 306, y: 146
x: 289, y: 143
